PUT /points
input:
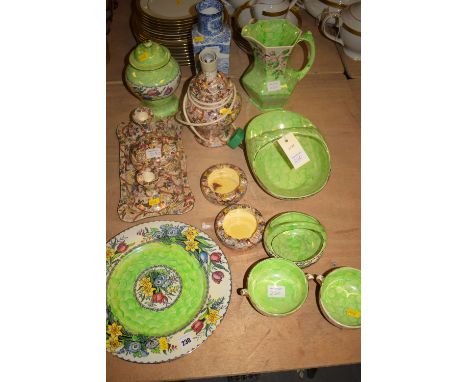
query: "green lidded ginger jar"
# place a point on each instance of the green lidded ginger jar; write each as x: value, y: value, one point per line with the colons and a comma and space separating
x: 153, y: 76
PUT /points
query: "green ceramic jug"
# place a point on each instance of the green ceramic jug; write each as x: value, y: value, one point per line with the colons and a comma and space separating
x: 269, y: 81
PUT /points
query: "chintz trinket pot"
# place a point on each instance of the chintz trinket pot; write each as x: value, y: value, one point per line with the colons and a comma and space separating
x: 153, y: 171
x: 212, y: 32
x: 239, y: 226
x: 211, y: 103
x: 223, y: 184
x: 153, y: 76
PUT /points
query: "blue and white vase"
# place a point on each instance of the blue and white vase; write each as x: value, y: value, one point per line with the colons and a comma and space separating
x: 211, y: 32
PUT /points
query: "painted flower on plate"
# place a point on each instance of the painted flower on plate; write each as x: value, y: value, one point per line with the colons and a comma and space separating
x: 113, y: 343
x: 203, y: 256
x: 110, y: 253
x: 197, y: 326
x: 215, y: 257
x: 191, y: 245
x: 213, y: 316
x: 163, y: 345
x: 147, y: 286
x: 217, y: 276
x: 114, y: 330
x: 191, y: 233
x: 152, y: 343
x: 134, y: 346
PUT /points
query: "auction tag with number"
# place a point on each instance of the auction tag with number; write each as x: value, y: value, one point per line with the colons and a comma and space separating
x: 276, y: 291
x: 186, y: 340
x: 293, y: 150
x: 153, y: 153
x: 273, y: 86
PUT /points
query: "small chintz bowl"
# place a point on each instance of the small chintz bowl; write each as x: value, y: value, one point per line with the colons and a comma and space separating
x: 277, y: 287
x: 223, y: 184
x: 239, y: 226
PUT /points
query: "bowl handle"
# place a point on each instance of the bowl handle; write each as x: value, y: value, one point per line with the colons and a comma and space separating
x: 244, y: 292
x: 317, y: 278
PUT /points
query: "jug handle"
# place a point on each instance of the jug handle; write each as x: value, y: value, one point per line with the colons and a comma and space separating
x: 307, y: 37
x: 323, y: 25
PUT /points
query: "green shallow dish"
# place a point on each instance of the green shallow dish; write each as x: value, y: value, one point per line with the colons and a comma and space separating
x: 296, y: 237
x: 340, y: 297
x: 276, y: 287
x: 168, y: 288
x: 183, y: 287
x: 270, y: 166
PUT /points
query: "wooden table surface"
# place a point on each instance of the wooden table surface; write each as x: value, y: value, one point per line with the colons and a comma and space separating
x: 247, y: 342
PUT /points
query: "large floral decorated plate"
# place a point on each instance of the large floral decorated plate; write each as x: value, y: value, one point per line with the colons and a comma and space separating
x: 168, y: 287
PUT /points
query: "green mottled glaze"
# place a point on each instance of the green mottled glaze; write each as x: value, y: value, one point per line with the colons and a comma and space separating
x: 271, y: 167
x: 137, y: 319
x: 277, y: 272
x: 340, y: 296
x: 269, y: 81
x: 153, y: 76
x: 296, y: 237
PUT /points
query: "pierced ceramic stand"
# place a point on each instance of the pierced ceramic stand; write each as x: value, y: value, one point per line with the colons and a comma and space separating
x: 153, y: 76
x: 211, y: 104
x: 153, y: 171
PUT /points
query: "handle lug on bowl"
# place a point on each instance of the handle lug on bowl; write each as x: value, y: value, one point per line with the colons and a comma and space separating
x: 244, y: 292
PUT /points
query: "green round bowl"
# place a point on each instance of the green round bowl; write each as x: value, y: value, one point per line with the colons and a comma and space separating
x: 270, y: 166
x: 276, y: 287
x: 340, y: 297
x: 296, y: 237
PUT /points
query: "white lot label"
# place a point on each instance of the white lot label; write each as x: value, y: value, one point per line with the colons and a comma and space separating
x: 186, y: 340
x: 273, y: 86
x: 153, y: 153
x: 276, y: 291
x: 293, y: 150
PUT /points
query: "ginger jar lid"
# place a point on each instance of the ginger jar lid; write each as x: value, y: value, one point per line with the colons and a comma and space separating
x: 149, y: 55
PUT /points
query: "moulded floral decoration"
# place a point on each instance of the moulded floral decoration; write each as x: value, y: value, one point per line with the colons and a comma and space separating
x: 191, y: 245
x: 191, y: 233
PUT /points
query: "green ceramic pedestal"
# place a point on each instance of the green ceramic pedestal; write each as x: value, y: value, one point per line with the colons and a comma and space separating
x: 163, y: 108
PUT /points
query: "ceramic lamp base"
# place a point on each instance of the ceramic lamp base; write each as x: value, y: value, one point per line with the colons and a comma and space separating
x: 163, y: 108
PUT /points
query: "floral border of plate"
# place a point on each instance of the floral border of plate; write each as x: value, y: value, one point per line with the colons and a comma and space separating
x: 230, y: 197
x: 142, y: 349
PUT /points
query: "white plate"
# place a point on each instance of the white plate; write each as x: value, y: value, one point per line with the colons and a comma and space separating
x: 169, y: 9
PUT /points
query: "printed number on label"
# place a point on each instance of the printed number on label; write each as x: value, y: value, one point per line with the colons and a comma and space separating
x: 273, y: 86
x: 276, y: 291
x: 153, y: 153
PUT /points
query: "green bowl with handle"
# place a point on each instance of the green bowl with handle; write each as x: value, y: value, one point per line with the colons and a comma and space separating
x: 271, y: 167
x: 340, y: 297
x: 277, y: 287
x: 296, y: 237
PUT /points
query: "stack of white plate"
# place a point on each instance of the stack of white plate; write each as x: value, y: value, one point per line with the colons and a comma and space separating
x: 168, y: 23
